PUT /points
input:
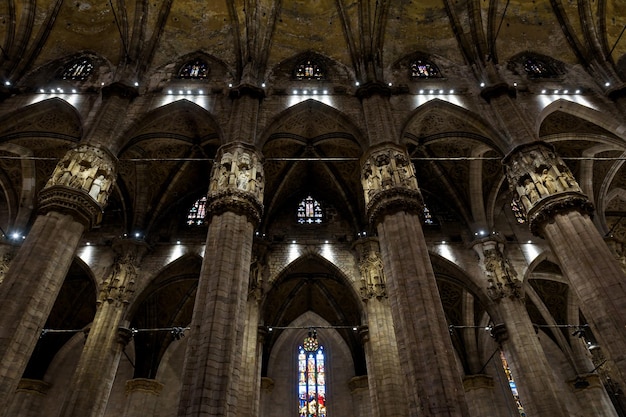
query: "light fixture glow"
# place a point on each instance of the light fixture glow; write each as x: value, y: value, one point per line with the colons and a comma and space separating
x: 357, y: 83
x: 169, y: 91
x: 188, y: 91
x: 263, y: 85
x: 295, y: 91
x: 136, y: 84
x: 543, y: 91
x: 606, y: 84
x: 482, y: 84
x: 421, y: 91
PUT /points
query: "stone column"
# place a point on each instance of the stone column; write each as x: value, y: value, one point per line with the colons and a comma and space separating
x: 359, y: 390
x: 394, y: 206
x: 479, y: 390
x: 28, y: 399
x: 91, y: 384
x: 213, y: 357
x: 252, y: 352
x: 386, y: 388
x: 557, y: 211
x: 530, y: 367
x: 141, y: 396
x: 71, y: 202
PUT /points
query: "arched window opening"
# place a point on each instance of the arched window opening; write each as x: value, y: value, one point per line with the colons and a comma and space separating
x: 309, y: 70
x: 424, y: 69
x: 311, y: 378
x: 310, y: 211
x: 194, y: 70
x: 536, y: 68
x: 78, y: 70
x: 197, y: 213
x: 512, y: 385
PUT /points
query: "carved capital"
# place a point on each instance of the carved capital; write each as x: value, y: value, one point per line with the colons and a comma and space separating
x: 542, y: 184
x: 477, y: 382
x: 124, y: 335
x: 389, y: 183
x: 34, y: 386
x: 80, y: 184
x: 237, y: 182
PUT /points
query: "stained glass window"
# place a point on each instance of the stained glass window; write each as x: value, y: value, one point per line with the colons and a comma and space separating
x: 77, y: 70
x: 536, y: 68
x: 309, y: 70
x: 311, y: 378
x: 512, y: 385
x: 517, y: 211
x: 424, y: 69
x: 196, y: 214
x: 428, y: 218
x: 196, y: 69
x: 310, y: 211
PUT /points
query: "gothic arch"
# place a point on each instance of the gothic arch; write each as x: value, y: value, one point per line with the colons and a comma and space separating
x: 52, y: 118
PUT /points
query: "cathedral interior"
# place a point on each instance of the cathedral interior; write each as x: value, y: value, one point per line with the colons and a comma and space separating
x: 376, y: 208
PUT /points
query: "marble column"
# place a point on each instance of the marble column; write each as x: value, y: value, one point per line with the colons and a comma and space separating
x: 479, y: 393
x: 252, y: 352
x: 386, y: 388
x: 91, y: 384
x: 559, y: 212
x: 213, y: 357
x: 141, y: 396
x: 394, y: 207
x: 71, y: 201
x: 28, y: 399
x: 538, y: 389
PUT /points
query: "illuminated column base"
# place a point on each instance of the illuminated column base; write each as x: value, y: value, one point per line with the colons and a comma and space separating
x: 141, y: 396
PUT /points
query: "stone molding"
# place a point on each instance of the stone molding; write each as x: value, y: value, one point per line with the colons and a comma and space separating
x: 358, y: 383
x: 76, y: 203
x: 545, y: 211
x: 151, y: 386
x: 267, y: 384
x: 477, y: 381
x: 124, y: 335
x: 34, y: 386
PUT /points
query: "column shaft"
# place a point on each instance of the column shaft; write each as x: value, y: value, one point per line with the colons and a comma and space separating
x: 479, y: 393
x: 435, y: 387
x: 141, y: 397
x: 29, y: 291
x: 213, y: 356
x: 250, y: 382
x: 387, y: 391
x: 596, y: 278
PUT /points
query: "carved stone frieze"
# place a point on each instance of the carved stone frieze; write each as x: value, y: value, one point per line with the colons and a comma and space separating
x: 237, y: 182
x: 501, y: 277
x: 372, y: 283
x: 81, y: 184
x: 389, y: 183
x: 543, y: 185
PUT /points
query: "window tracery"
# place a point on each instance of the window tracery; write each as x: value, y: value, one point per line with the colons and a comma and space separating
x: 424, y: 69
x: 78, y: 70
x: 311, y: 378
x: 309, y: 70
x: 196, y: 69
x: 310, y: 211
x: 537, y: 68
x: 197, y: 212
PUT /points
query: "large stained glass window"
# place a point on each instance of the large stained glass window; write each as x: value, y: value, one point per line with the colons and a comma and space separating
x: 77, y: 70
x: 310, y: 211
x: 536, y: 68
x: 512, y: 385
x: 197, y: 212
x: 311, y: 378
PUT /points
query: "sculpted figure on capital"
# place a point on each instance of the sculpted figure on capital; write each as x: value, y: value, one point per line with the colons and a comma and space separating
x: 238, y: 169
x: 386, y: 169
x: 88, y: 169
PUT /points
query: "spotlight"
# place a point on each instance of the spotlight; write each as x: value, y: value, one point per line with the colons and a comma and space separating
x: 606, y: 84
x: 357, y: 83
x: 230, y: 85
x: 556, y: 91
x: 421, y: 91
x: 295, y: 91
x: 180, y: 92
x: 293, y: 241
x: 263, y: 85
x: 390, y: 84
x: 440, y: 91
x: 41, y: 90
x: 188, y: 91
x: 514, y: 84
x: 73, y: 90
x: 325, y: 91
x: 169, y: 91
x: 16, y: 235
x: 314, y: 91
x: 7, y: 83
x: 178, y: 242
x: 543, y: 91
x: 577, y: 91
x: 136, y: 84
x: 200, y: 91
x: 88, y: 244
x: 431, y: 91
x: 137, y: 234
x: 451, y: 91
x: 482, y: 84
x: 565, y: 91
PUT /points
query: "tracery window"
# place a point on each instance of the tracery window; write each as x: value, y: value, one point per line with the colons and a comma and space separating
x: 197, y: 212
x: 195, y: 70
x: 310, y: 211
x: 517, y: 211
x: 536, y: 68
x: 512, y: 385
x: 428, y: 218
x: 424, y: 69
x: 311, y: 378
x: 309, y: 70
x: 78, y: 70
